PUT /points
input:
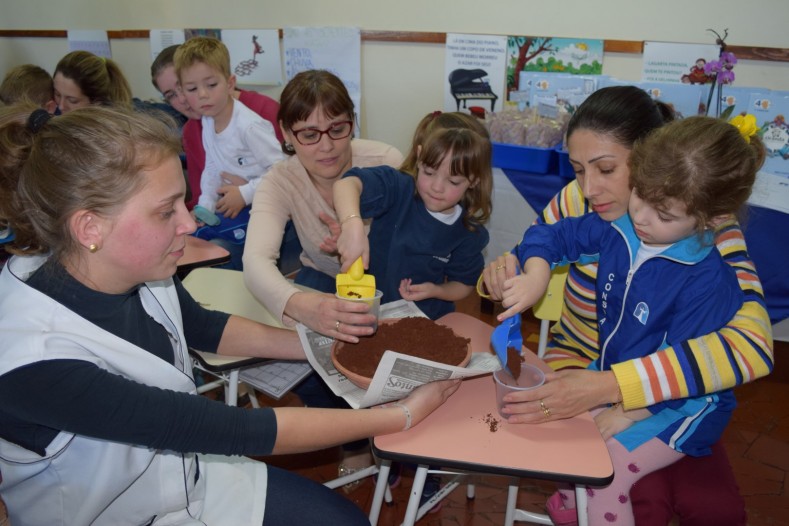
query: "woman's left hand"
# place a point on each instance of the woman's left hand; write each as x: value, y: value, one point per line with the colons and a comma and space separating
x: 329, y: 244
x: 565, y: 394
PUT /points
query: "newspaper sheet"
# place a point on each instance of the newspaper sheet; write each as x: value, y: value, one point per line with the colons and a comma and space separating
x: 397, y: 374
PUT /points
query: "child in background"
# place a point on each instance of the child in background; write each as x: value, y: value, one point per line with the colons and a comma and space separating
x: 660, y: 281
x: 165, y: 80
x: 240, y: 146
x: 28, y: 82
x: 426, y: 239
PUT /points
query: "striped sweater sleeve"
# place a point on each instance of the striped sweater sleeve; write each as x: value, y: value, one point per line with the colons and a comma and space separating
x: 574, y: 338
x: 740, y: 352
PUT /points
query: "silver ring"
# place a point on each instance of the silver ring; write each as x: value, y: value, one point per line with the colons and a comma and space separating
x: 337, y: 326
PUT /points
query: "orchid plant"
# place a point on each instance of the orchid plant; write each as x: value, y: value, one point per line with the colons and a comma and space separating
x: 721, y: 71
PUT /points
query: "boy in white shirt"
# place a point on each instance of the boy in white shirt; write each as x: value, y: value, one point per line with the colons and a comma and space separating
x: 240, y: 146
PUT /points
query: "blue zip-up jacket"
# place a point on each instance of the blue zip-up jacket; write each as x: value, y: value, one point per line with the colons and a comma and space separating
x: 684, y: 292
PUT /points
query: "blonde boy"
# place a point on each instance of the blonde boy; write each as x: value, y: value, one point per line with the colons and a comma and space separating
x: 240, y: 145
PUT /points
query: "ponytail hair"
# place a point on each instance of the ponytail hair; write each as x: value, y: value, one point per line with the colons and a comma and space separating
x: 84, y: 160
x: 100, y: 79
x: 623, y: 113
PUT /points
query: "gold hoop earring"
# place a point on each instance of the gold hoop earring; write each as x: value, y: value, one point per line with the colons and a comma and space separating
x: 93, y: 248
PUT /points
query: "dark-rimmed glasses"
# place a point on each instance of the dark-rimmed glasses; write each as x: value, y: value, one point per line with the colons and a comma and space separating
x: 337, y: 131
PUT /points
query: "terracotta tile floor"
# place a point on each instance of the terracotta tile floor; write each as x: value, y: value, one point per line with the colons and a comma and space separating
x: 757, y: 442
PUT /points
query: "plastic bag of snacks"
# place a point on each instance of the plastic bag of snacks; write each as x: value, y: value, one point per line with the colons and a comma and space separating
x: 527, y: 128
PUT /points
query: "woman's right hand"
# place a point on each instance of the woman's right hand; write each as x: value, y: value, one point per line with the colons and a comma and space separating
x: 330, y: 316
x: 497, y: 272
x: 428, y: 397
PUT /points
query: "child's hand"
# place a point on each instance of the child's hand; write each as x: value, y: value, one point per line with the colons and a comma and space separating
x: 612, y: 421
x: 353, y: 243
x: 231, y: 202
x: 235, y: 180
x: 518, y: 294
x: 412, y: 292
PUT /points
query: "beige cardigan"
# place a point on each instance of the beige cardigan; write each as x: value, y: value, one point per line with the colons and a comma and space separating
x: 287, y: 193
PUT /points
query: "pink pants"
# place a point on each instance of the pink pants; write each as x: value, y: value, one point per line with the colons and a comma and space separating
x: 611, y: 504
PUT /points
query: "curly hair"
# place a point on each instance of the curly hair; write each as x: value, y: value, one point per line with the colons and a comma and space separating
x: 701, y: 162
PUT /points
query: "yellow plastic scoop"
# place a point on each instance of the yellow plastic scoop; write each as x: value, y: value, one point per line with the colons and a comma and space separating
x: 355, y: 283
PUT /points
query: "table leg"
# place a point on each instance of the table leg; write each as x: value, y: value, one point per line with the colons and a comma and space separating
x: 232, y: 388
x: 580, y: 505
x: 380, y: 488
x: 416, y: 494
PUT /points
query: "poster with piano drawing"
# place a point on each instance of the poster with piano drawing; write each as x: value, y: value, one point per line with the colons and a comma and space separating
x: 474, y: 66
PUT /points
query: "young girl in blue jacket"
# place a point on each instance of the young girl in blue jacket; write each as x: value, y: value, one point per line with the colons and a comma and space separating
x: 426, y: 238
x: 660, y: 281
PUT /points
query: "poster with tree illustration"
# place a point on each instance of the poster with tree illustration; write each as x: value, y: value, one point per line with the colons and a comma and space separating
x: 552, y: 55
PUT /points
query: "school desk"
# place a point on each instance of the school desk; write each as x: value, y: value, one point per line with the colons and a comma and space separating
x: 459, y: 435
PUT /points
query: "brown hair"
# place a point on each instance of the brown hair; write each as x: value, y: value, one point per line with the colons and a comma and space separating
x: 100, y: 79
x: 307, y: 91
x: 623, y: 113
x: 27, y: 82
x: 84, y: 160
x: 164, y: 59
x: 202, y: 50
x: 701, y: 162
x: 435, y: 121
x: 470, y: 157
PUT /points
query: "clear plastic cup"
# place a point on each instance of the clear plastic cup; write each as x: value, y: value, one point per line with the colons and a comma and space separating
x: 529, y: 378
x: 374, y: 303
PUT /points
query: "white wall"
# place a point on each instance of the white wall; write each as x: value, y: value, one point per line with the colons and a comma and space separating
x: 403, y: 81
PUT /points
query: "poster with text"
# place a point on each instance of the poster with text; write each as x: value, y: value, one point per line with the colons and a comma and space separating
x: 772, y: 185
x: 254, y: 56
x: 161, y: 39
x: 96, y: 42
x: 474, y: 66
x: 336, y: 49
x: 576, y: 56
x: 677, y: 63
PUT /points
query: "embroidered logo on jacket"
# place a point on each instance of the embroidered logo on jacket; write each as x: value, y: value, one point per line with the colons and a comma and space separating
x: 642, y: 312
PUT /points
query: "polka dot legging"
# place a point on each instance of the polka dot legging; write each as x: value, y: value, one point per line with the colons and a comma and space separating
x: 611, y: 504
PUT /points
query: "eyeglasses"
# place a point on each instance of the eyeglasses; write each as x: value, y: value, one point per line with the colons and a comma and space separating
x: 169, y: 95
x: 337, y: 131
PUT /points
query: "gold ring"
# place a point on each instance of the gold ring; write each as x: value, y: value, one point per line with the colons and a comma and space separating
x: 545, y: 410
x: 500, y: 267
x: 337, y: 326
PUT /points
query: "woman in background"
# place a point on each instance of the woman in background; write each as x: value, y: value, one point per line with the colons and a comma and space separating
x: 83, y: 79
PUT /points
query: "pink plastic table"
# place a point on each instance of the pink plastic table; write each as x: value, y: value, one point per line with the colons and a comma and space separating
x: 458, y: 435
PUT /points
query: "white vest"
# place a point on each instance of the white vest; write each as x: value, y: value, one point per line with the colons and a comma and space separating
x: 82, y: 480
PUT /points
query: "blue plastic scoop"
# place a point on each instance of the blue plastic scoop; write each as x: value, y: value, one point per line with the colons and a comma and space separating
x: 506, y: 335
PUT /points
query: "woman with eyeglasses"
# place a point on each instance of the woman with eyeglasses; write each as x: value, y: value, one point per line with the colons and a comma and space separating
x: 316, y: 116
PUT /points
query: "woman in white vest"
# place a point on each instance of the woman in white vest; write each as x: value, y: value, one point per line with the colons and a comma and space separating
x: 99, y: 421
